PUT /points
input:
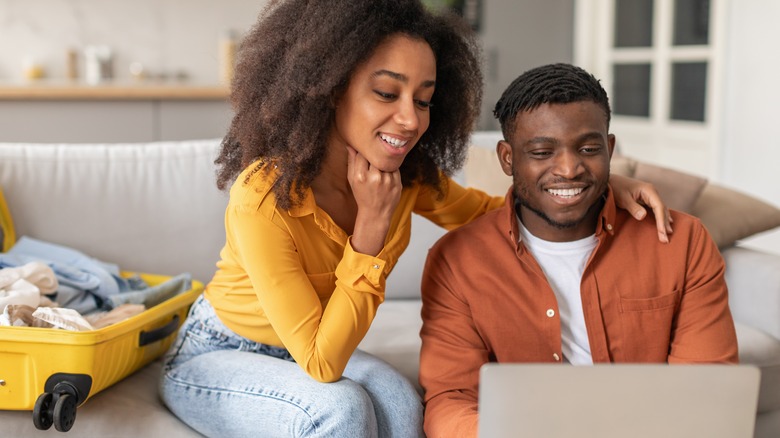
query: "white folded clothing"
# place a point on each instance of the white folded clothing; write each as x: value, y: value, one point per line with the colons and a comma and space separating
x: 37, y: 273
x: 20, y: 292
x: 59, y: 317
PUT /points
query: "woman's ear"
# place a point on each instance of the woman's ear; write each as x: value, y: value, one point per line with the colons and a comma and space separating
x: 504, y: 153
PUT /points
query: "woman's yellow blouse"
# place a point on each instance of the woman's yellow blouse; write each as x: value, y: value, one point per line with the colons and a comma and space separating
x: 290, y: 278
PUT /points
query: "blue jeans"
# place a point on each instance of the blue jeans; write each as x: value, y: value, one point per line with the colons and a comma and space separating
x: 222, y: 384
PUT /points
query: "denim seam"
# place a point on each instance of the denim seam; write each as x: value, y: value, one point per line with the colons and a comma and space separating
x: 186, y: 384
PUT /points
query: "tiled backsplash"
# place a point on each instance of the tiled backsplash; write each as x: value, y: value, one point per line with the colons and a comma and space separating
x: 165, y: 37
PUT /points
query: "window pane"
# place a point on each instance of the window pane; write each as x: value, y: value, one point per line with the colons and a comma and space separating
x: 691, y: 22
x: 633, y: 23
x: 631, y: 94
x: 689, y: 87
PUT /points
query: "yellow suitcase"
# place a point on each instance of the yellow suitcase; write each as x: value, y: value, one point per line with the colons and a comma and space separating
x: 52, y: 372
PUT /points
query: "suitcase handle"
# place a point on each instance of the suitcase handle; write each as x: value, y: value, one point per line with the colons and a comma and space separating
x: 146, y: 338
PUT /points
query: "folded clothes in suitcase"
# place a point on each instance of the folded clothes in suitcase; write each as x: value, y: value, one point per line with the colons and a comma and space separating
x: 51, y: 371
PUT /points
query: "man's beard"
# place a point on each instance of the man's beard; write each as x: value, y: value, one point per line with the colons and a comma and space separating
x: 522, y: 201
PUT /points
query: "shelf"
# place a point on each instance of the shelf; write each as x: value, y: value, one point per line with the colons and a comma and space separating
x: 116, y: 91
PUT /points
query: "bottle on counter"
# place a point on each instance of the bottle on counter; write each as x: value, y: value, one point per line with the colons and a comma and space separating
x: 71, y: 64
x: 99, y: 64
x: 228, y: 45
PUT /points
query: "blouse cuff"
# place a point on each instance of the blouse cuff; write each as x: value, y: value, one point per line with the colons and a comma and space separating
x: 362, y: 272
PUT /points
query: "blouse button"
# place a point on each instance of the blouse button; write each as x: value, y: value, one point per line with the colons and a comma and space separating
x: 550, y: 313
x: 375, y: 266
x: 556, y: 357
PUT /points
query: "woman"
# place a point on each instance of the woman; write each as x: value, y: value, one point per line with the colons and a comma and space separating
x: 348, y: 116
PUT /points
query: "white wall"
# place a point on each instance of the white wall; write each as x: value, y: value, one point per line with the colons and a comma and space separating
x: 518, y: 35
x: 751, y: 141
x: 166, y: 36
x: 183, y: 35
x: 751, y: 146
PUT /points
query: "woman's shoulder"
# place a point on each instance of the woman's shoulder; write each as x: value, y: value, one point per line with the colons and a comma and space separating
x: 252, y: 188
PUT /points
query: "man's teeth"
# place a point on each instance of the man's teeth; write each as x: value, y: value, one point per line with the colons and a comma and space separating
x: 565, y: 192
x: 393, y: 141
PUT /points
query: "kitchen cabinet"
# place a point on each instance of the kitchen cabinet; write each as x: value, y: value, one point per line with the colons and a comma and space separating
x: 74, y: 113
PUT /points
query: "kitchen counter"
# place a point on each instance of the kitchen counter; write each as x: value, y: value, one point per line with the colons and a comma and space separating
x: 50, y: 90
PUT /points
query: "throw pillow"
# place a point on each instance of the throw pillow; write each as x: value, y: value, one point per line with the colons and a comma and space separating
x: 622, y: 165
x: 482, y: 171
x: 679, y: 190
x: 730, y: 215
x: 7, y: 235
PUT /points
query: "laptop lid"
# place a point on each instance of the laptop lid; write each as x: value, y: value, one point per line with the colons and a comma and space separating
x: 617, y: 400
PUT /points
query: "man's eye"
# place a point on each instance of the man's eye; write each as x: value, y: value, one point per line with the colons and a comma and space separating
x: 591, y: 149
x: 540, y: 154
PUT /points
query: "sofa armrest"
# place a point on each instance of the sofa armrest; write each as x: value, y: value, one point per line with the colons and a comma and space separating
x: 753, y: 278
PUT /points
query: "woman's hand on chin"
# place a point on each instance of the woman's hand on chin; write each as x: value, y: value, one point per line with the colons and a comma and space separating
x: 377, y: 194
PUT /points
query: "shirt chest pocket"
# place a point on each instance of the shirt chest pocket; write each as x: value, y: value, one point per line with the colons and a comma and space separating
x: 647, y: 326
x: 659, y: 303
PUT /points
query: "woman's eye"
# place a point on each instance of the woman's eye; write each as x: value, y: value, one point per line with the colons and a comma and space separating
x: 424, y: 104
x: 383, y: 95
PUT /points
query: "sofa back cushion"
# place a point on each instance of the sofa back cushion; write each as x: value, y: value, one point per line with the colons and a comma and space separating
x: 729, y: 215
x: 150, y: 207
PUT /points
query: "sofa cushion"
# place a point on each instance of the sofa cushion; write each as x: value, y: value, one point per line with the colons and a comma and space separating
x: 141, y: 206
x: 404, y: 281
x: 760, y: 349
x: 482, y: 171
x: 715, y: 205
x: 679, y: 190
x: 394, y: 336
x: 730, y: 215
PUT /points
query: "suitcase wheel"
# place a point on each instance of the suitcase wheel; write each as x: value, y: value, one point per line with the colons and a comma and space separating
x: 64, y: 412
x: 43, y: 411
x: 57, y: 409
x: 63, y: 393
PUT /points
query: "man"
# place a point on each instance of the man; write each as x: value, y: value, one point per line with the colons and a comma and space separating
x: 559, y: 274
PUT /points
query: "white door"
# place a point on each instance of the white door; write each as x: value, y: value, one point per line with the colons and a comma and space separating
x: 660, y: 62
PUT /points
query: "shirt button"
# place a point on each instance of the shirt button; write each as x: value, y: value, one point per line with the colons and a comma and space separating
x: 375, y: 266
x: 609, y: 227
x: 550, y: 313
x: 556, y: 357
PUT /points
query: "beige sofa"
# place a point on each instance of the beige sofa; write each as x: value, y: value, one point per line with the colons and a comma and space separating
x: 154, y: 208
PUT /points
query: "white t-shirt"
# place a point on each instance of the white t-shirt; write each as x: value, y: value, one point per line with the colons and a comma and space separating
x: 563, y: 264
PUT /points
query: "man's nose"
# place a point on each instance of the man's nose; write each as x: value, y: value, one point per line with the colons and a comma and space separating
x: 567, y: 165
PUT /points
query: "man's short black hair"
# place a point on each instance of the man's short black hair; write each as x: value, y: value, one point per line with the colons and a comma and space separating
x: 551, y: 83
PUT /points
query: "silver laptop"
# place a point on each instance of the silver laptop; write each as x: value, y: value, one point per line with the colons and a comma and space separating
x: 621, y: 400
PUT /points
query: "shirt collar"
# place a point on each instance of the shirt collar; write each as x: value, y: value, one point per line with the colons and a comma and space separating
x: 306, y: 206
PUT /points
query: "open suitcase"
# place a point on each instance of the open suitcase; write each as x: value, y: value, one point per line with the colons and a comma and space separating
x: 52, y: 372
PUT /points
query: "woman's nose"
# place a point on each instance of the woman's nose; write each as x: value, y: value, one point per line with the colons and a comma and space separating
x: 406, y: 116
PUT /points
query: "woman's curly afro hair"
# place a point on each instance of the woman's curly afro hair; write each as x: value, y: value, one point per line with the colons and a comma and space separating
x: 298, y: 58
